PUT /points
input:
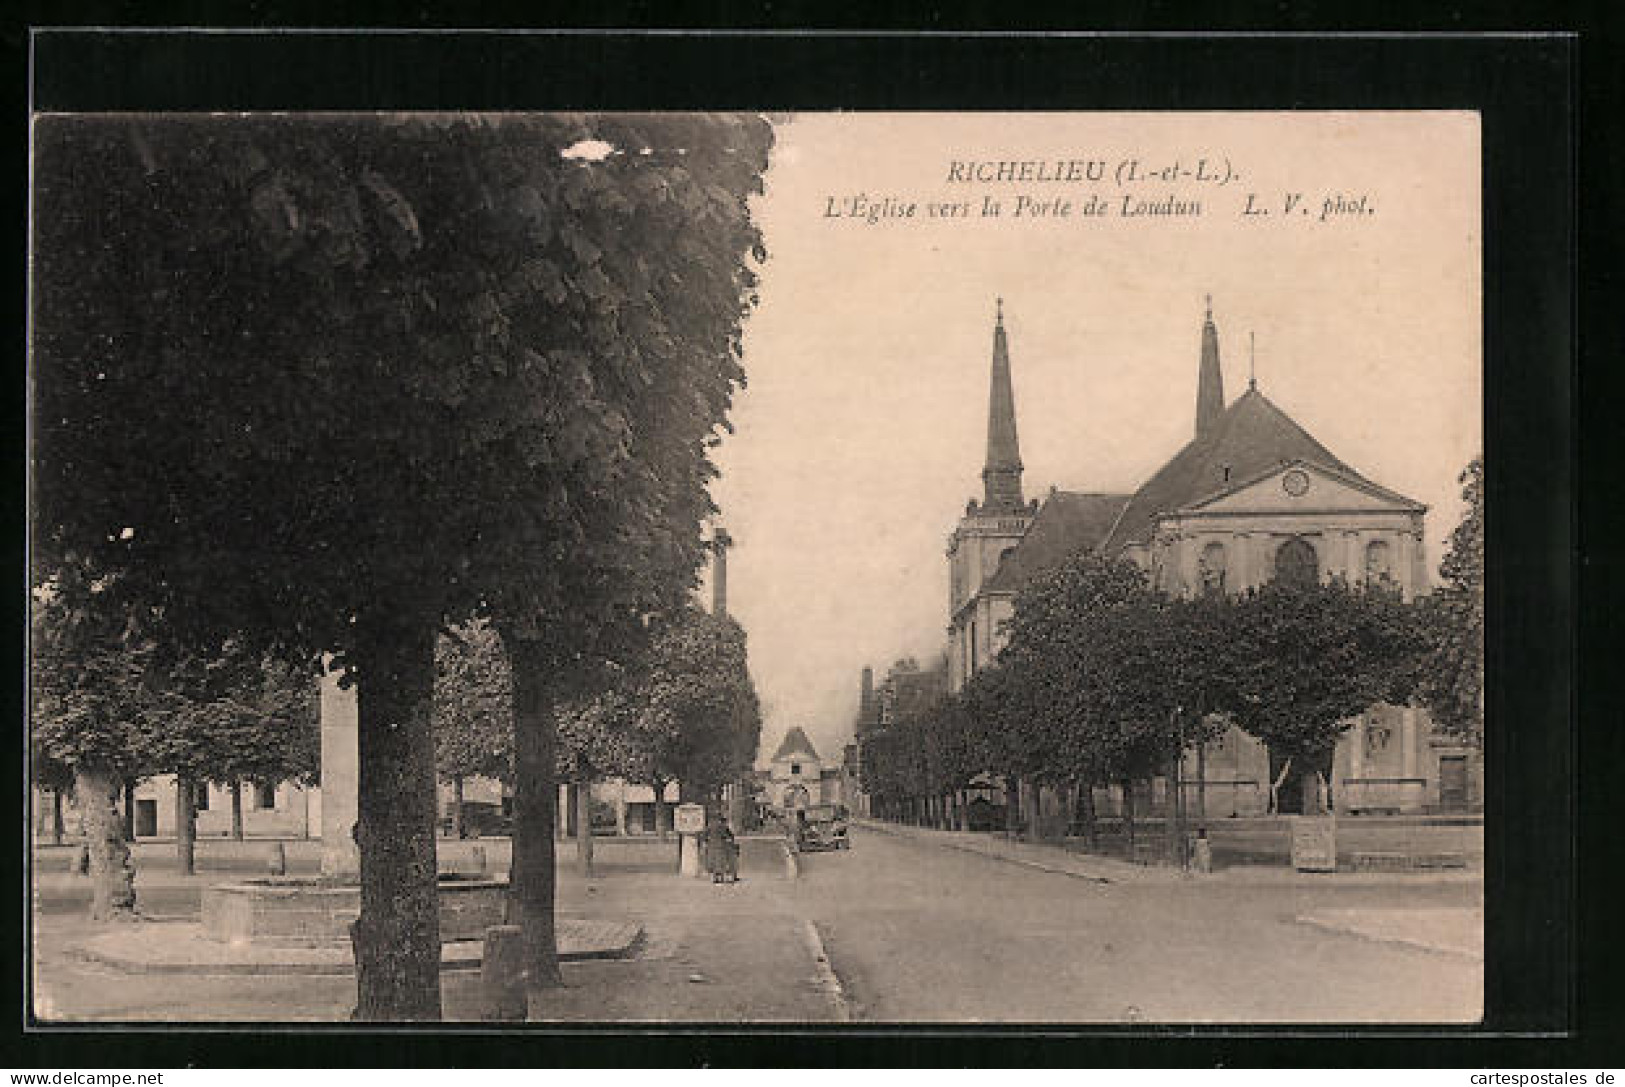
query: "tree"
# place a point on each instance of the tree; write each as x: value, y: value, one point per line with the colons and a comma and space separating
x: 473, y: 710
x: 689, y: 712
x: 92, y: 707
x: 1453, y: 680
x: 595, y: 742
x: 52, y: 775
x: 231, y: 717
x: 1306, y: 660
x: 654, y: 243
x: 351, y: 379
x: 1103, y: 676
x: 328, y: 384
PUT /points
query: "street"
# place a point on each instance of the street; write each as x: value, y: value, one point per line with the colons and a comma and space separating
x: 913, y: 932
x: 920, y: 933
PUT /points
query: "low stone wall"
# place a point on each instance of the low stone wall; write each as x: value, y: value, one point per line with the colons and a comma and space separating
x: 295, y: 912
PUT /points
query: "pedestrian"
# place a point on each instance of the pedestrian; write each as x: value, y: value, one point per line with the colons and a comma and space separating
x: 721, y: 853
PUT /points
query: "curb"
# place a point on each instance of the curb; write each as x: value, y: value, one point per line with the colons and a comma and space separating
x: 455, y: 956
x: 991, y: 855
x: 826, y: 980
x: 1397, y: 940
x: 1272, y: 875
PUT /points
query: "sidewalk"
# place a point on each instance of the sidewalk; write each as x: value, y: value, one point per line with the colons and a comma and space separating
x: 708, y: 953
x: 1045, y: 858
x: 1062, y: 861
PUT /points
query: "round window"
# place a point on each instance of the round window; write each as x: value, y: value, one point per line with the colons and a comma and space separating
x: 1295, y: 482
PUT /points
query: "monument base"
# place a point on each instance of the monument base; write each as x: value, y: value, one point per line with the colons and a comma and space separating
x: 689, y: 859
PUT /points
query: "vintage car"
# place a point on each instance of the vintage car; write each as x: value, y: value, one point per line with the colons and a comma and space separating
x: 822, y: 826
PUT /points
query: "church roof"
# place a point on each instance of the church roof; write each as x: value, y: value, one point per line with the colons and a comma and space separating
x: 1067, y: 522
x: 795, y: 741
x: 1251, y: 437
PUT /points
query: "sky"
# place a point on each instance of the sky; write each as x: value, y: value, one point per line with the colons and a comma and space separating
x: 862, y: 433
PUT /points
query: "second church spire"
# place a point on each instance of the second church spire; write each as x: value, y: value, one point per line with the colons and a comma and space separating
x: 1001, y: 476
x: 1210, y: 380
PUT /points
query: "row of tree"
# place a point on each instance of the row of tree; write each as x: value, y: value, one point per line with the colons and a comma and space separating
x: 328, y: 385
x: 683, y: 710
x: 112, y: 705
x: 1105, y: 680
x: 135, y: 708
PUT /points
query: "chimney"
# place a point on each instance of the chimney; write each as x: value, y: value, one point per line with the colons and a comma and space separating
x: 720, y: 542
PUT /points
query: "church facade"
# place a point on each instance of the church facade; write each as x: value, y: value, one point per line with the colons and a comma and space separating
x: 1250, y: 498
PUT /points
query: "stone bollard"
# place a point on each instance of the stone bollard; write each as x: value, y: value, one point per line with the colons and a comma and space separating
x: 1202, y: 854
x: 477, y: 860
x: 502, y: 974
x: 277, y: 863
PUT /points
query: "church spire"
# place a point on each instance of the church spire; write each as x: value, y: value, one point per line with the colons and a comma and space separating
x: 1210, y: 381
x: 1001, y: 476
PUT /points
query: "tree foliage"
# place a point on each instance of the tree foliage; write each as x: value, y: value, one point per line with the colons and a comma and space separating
x: 1453, y: 682
x: 1306, y: 660
x: 235, y: 716
x: 685, y: 711
x: 94, y: 701
x: 473, y: 705
x: 1104, y: 679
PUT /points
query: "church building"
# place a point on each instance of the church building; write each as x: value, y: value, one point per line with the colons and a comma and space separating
x: 1250, y: 498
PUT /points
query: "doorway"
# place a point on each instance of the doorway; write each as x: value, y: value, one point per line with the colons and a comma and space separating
x: 1453, y: 783
x: 146, y: 818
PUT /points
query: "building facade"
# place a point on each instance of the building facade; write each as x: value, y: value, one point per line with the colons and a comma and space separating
x: 798, y: 779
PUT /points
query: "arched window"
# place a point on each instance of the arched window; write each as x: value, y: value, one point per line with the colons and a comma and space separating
x: 1296, y: 564
x: 1211, y: 568
x: 1379, y: 562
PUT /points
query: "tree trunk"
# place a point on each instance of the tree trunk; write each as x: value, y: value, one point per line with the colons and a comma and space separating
x: 112, y: 878
x: 535, y: 808
x: 397, y: 935
x: 185, y: 825
x: 583, y: 790
x: 1128, y: 815
x: 1086, y: 805
x: 237, y: 809
x: 1012, y: 806
x: 1201, y: 786
x: 56, y: 815
x: 1035, y: 818
x: 129, y: 811
x: 457, y: 807
x: 1171, y: 813
x: 1069, y: 808
x: 660, y: 808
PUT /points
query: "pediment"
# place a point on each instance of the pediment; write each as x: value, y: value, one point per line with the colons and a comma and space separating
x: 1302, y: 486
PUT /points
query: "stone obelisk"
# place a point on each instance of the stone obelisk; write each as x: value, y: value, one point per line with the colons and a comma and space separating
x: 341, y: 859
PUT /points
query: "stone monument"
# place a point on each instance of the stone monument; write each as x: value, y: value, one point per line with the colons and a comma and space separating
x: 341, y: 858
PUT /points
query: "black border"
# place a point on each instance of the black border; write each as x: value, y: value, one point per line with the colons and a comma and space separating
x: 1525, y: 90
